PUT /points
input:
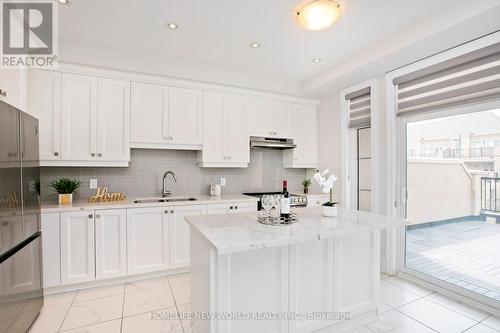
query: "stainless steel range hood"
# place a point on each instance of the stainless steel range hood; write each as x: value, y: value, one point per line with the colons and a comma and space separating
x: 271, y: 143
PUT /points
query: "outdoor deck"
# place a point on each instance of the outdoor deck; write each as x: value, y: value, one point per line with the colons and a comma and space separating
x: 465, y: 253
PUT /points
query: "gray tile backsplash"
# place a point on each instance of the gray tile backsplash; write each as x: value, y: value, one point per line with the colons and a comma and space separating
x: 143, y: 178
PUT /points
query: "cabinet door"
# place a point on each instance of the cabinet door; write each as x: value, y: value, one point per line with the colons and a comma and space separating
x: 147, y: 240
x: 261, y: 117
x: 235, y: 130
x: 149, y: 114
x: 185, y: 117
x: 110, y: 243
x: 305, y: 136
x: 179, y: 233
x: 113, y: 120
x: 212, y: 128
x: 13, y: 86
x: 51, y: 249
x: 77, y: 247
x: 232, y: 207
x: 44, y: 103
x: 9, y: 137
x: 78, y: 117
x: 282, y: 122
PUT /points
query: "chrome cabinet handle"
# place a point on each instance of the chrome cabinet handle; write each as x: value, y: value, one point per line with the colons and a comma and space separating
x: 235, y: 207
x: 172, y: 211
x: 3, y: 93
x: 99, y: 155
x: 91, y: 216
x: 56, y: 153
x: 231, y: 207
x: 165, y: 211
x: 97, y: 216
x: 92, y: 154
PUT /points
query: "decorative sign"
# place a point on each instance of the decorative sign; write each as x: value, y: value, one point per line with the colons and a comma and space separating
x: 10, y: 202
x: 102, y: 195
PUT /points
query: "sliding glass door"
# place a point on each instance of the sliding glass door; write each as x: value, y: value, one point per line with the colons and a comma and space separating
x: 451, y: 168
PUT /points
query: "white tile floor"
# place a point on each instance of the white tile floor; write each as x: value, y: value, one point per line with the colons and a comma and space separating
x: 128, y: 307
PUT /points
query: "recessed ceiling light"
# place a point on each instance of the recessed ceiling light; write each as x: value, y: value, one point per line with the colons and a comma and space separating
x: 172, y: 26
x: 65, y: 2
x: 254, y: 45
x: 318, y: 14
x: 316, y: 60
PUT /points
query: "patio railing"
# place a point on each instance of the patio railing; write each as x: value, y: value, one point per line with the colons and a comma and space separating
x: 490, y: 197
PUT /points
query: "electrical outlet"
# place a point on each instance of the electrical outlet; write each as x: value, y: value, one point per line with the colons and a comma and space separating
x: 223, y: 182
x: 93, y: 184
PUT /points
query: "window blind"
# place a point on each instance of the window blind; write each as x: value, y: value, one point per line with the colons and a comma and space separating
x: 359, y: 106
x: 470, y: 78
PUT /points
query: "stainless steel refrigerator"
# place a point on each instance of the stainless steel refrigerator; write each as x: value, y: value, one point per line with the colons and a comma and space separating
x: 21, y: 293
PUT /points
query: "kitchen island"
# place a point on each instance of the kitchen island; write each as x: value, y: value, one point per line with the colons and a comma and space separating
x: 318, y: 275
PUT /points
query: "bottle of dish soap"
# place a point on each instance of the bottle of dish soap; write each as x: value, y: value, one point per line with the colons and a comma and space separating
x: 212, y: 187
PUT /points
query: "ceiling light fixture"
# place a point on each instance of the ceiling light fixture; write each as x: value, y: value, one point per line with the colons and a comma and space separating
x: 65, y: 2
x: 172, y: 26
x: 318, y: 14
x: 316, y: 60
x: 254, y: 45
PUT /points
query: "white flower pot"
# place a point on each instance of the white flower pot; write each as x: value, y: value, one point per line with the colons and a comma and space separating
x: 329, y: 211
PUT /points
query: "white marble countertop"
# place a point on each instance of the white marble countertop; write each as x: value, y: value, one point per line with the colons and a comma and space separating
x: 241, y: 232
x: 129, y: 203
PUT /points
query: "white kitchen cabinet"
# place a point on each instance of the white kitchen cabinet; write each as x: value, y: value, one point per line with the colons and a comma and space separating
x: 113, y: 120
x: 9, y: 139
x: 179, y: 233
x: 147, y: 239
x: 78, y: 117
x: 269, y: 118
x: 77, y: 247
x: 185, y: 117
x: 51, y: 249
x: 110, y: 243
x: 225, y: 131
x: 305, y: 136
x: 233, y: 207
x: 44, y: 103
x: 166, y: 117
x: 13, y: 87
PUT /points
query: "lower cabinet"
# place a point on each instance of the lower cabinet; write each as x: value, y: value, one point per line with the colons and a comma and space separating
x: 77, y: 247
x: 227, y: 208
x: 179, y: 233
x: 148, y: 239
x: 110, y: 243
x: 51, y: 249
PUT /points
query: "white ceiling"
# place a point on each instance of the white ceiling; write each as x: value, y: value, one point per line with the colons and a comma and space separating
x: 218, y: 32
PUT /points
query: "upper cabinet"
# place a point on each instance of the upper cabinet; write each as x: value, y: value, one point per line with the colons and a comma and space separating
x: 305, y: 135
x: 166, y: 117
x: 83, y: 120
x: 270, y: 118
x: 13, y: 86
x: 225, y: 131
x: 44, y: 103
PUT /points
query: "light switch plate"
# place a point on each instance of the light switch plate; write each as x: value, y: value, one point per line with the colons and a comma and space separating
x: 93, y: 184
x: 223, y: 182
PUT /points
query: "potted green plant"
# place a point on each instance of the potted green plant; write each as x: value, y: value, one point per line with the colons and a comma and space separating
x: 306, y: 183
x: 65, y: 187
x: 326, y: 181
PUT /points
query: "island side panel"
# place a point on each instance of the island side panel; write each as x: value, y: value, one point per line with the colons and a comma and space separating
x: 203, y: 282
x: 255, y: 281
x: 311, y: 283
x: 357, y: 273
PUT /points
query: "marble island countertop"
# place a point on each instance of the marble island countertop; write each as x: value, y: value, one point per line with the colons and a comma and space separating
x: 129, y: 203
x: 242, y: 232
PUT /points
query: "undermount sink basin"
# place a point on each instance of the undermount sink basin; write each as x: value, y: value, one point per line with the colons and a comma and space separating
x: 153, y: 200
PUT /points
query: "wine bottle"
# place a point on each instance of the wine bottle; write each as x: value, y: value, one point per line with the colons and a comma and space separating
x: 285, y: 204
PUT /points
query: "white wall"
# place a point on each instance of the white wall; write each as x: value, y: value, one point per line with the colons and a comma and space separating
x: 173, y: 67
x: 438, y: 190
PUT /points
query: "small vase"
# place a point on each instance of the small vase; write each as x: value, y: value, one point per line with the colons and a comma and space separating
x: 65, y: 199
x: 306, y: 190
x: 329, y: 211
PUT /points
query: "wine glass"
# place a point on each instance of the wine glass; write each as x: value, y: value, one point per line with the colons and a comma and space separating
x: 277, y: 204
x: 267, y: 202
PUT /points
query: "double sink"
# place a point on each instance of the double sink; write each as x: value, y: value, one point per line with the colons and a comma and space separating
x: 153, y: 200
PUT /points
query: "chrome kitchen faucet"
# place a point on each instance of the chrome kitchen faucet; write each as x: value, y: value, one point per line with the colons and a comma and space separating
x: 164, y: 191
